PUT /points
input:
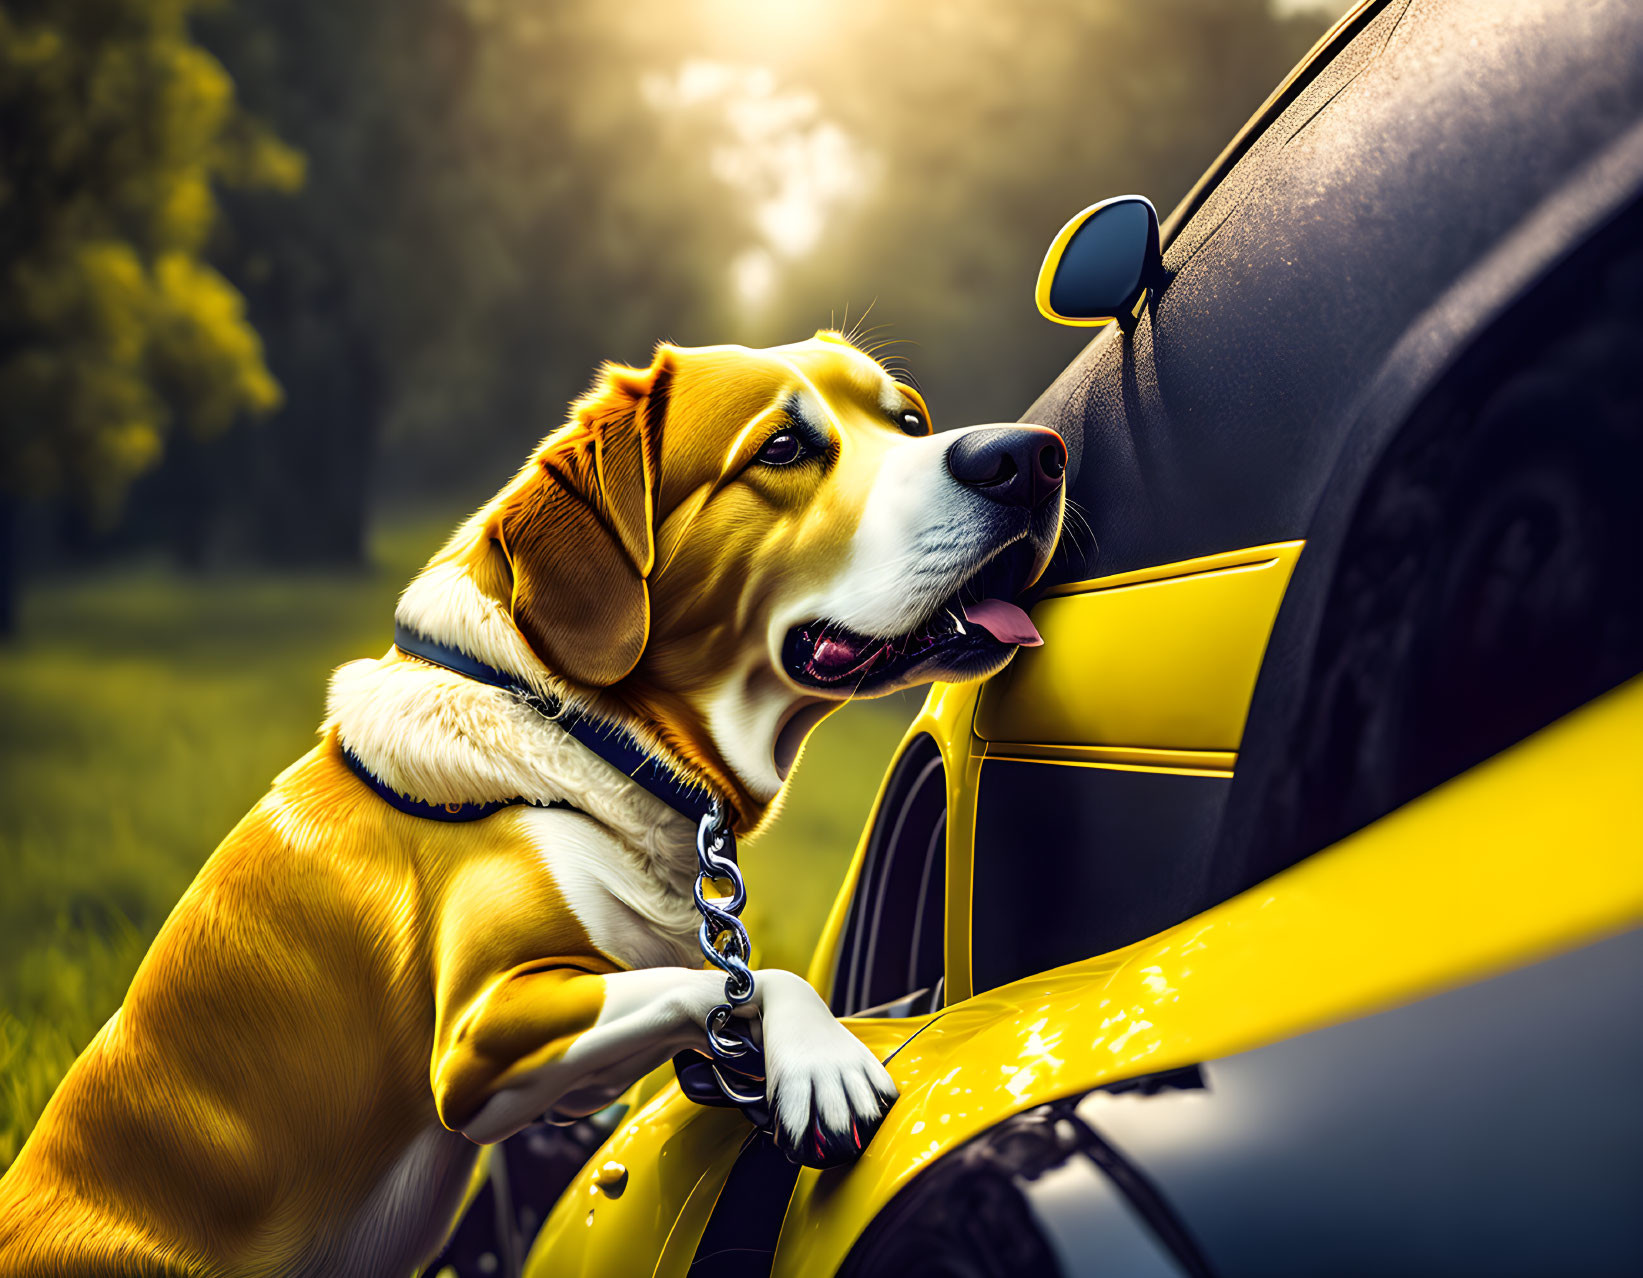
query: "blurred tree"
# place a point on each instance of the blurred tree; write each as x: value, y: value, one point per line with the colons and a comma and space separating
x: 366, y: 89
x: 563, y: 222
x: 113, y: 127
x: 491, y: 209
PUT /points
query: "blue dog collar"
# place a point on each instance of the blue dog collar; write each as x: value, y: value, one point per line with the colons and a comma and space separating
x: 434, y: 811
x: 611, y: 743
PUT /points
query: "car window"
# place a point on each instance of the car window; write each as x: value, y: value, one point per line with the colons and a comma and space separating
x: 891, y: 952
x: 1075, y: 861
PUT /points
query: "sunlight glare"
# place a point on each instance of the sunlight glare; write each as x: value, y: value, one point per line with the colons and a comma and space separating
x: 751, y: 28
x: 754, y: 275
x: 794, y: 166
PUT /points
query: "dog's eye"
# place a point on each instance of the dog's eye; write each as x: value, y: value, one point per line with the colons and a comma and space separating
x: 781, y: 450
x: 913, y: 423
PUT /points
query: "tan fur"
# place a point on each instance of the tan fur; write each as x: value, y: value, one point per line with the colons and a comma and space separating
x: 348, y: 996
x: 596, y: 485
x: 687, y: 603
x: 271, y: 1059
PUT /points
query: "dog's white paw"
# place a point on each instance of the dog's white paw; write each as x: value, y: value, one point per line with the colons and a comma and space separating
x: 827, y: 1091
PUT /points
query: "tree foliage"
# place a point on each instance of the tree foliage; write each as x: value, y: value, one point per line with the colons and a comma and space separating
x: 114, y: 126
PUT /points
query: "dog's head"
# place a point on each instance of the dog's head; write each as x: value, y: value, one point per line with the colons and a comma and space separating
x: 724, y: 547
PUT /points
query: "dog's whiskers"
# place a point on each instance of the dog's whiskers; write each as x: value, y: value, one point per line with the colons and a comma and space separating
x: 857, y: 332
x: 1075, y: 521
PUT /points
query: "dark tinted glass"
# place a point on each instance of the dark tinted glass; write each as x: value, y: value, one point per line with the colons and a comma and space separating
x: 1101, y: 267
x: 1071, y: 862
x: 894, y: 935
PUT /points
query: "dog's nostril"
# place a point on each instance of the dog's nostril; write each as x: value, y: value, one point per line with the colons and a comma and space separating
x: 1052, y: 461
x: 1004, y: 474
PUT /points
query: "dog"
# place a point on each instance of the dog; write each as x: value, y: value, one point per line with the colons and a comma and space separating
x: 456, y: 914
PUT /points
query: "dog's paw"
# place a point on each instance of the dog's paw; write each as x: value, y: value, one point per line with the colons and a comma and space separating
x: 827, y: 1092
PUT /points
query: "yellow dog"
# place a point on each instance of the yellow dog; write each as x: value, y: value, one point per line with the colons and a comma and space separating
x: 361, y: 986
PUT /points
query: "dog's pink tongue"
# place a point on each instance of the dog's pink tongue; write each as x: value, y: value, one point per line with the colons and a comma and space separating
x: 1004, y: 622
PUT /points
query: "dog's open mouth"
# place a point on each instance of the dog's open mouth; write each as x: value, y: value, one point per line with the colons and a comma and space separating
x: 966, y: 635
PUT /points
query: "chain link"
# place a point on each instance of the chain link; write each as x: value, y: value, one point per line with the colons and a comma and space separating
x: 722, y: 937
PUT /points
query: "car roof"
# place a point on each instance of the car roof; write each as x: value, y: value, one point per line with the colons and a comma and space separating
x: 1317, y: 58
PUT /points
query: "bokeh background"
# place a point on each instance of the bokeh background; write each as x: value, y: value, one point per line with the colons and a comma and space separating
x: 287, y: 286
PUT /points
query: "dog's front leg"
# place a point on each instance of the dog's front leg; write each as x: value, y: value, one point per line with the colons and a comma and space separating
x: 538, y: 1034
x: 826, y: 1090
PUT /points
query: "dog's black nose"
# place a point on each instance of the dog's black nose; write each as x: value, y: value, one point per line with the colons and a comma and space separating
x: 1012, y: 465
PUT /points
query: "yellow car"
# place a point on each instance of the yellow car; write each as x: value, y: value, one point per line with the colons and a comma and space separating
x: 1280, y: 915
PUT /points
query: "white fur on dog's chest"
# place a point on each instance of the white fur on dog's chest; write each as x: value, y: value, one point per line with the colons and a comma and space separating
x: 635, y: 908
x: 623, y: 860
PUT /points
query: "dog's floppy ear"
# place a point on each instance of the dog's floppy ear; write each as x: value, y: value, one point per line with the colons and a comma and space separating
x: 579, y: 533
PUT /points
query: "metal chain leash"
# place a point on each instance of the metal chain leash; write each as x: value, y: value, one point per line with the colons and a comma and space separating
x: 722, y: 937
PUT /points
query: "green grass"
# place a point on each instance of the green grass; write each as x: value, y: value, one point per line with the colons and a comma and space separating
x: 142, y: 712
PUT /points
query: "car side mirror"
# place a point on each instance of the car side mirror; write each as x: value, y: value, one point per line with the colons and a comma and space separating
x: 1103, y: 265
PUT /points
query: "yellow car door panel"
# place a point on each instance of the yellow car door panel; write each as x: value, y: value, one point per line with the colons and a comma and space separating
x: 1153, y: 667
